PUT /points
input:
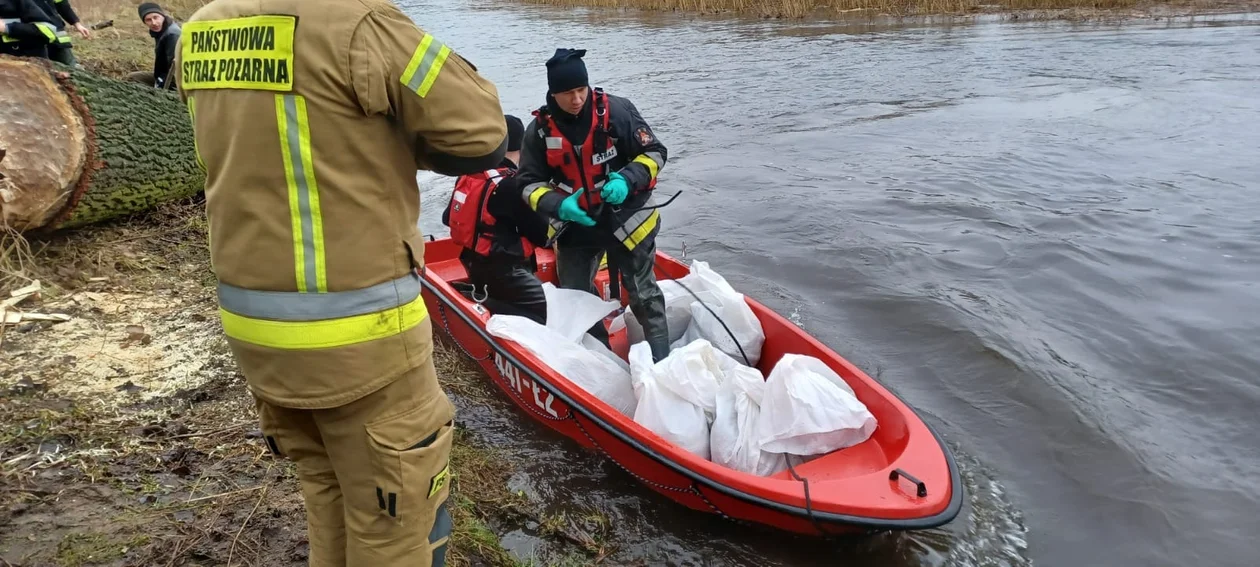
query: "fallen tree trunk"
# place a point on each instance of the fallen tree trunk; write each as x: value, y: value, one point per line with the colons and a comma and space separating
x: 78, y: 148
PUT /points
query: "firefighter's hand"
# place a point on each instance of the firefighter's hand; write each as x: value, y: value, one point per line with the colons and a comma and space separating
x: 83, y: 30
x: 4, y: 29
x: 571, y: 211
x: 615, y: 189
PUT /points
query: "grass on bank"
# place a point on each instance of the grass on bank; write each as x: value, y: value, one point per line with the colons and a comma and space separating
x: 796, y: 9
x: 127, y: 45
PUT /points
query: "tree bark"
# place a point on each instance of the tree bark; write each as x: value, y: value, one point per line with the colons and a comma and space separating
x: 78, y: 148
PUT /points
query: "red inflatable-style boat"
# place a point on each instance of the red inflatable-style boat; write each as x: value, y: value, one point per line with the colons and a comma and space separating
x: 901, y: 478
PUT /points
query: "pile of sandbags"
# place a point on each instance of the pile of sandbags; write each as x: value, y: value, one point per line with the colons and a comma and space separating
x: 709, y: 404
x: 706, y: 396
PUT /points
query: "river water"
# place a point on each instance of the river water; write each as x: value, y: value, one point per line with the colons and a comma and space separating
x: 1042, y: 236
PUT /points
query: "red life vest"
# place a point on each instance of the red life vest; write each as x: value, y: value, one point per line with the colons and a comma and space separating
x: 472, y: 225
x: 572, y: 170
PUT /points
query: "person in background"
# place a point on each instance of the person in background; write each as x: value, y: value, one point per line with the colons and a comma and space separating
x: 60, y: 13
x: 166, y: 33
x: 25, y: 30
x: 590, y: 159
x: 499, y: 233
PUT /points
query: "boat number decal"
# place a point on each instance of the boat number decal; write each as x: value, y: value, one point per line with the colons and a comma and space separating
x: 542, y: 398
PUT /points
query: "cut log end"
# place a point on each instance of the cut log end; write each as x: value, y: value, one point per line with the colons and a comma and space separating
x: 46, y: 144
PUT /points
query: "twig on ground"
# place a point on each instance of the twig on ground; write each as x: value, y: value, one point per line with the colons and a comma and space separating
x: 209, y: 433
x: 257, y: 503
x: 222, y: 494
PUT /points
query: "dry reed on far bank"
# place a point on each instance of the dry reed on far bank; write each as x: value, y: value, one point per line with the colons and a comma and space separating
x: 795, y: 9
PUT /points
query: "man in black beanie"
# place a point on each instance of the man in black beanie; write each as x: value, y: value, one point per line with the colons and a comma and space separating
x: 165, y: 33
x: 499, y: 233
x: 589, y: 158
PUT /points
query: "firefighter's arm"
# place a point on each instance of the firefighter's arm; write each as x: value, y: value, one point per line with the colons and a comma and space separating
x: 37, y: 32
x: 451, y: 112
x: 66, y: 11
x: 534, y: 175
x: 638, y: 140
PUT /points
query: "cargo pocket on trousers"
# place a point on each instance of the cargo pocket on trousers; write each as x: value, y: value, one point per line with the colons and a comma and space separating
x: 267, y: 425
x: 411, y: 475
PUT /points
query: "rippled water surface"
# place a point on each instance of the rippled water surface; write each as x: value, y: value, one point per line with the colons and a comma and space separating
x: 1042, y: 236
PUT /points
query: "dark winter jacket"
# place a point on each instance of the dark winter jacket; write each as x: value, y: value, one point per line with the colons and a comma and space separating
x: 634, y: 138
x: 29, y: 31
x: 165, y: 42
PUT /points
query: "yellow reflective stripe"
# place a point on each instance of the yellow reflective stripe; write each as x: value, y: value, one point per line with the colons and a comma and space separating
x: 295, y: 215
x: 305, y: 217
x: 305, y: 335
x: 192, y: 117
x: 316, y: 217
x: 649, y: 163
x: 48, y: 30
x: 643, y: 231
x: 536, y: 196
x: 425, y: 65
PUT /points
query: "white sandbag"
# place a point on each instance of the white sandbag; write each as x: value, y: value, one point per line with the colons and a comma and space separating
x: 677, y: 311
x: 807, y: 409
x: 663, y: 412
x: 733, y: 437
x: 592, y: 344
x: 572, y: 312
x: 586, y: 368
x: 728, y: 304
x: 693, y: 373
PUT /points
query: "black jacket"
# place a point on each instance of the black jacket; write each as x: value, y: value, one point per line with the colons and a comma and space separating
x: 512, y: 220
x: 26, y: 22
x: 633, y: 138
x: 59, y: 12
x: 164, y: 52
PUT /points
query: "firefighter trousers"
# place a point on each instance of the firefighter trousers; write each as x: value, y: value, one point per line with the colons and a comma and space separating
x: 62, y: 54
x: 509, y: 288
x: 576, y: 266
x: 374, y: 472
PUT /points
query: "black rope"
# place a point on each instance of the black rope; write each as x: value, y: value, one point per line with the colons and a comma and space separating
x: 809, y: 505
x: 747, y: 362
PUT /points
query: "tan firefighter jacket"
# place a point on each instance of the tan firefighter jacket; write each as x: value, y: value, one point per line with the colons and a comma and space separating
x: 311, y: 118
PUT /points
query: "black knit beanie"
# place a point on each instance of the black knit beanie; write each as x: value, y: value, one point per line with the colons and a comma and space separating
x: 515, y: 133
x: 566, y: 71
x: 149, y: 8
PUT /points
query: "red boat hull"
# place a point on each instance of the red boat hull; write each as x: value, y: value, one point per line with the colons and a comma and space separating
x: 780, y: 501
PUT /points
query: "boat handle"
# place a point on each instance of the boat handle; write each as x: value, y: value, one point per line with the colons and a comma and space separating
x: 900, y: 473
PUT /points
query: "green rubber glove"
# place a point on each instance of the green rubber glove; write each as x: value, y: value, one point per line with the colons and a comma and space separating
x: 571, y: 211
x: 615, y: 190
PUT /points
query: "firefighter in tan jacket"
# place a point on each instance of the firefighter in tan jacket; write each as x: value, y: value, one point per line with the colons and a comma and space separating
x: 311, y: 118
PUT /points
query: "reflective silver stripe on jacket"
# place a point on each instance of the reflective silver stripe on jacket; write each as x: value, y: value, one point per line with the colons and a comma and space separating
x: 296, y: 306
x: 625, y: 229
